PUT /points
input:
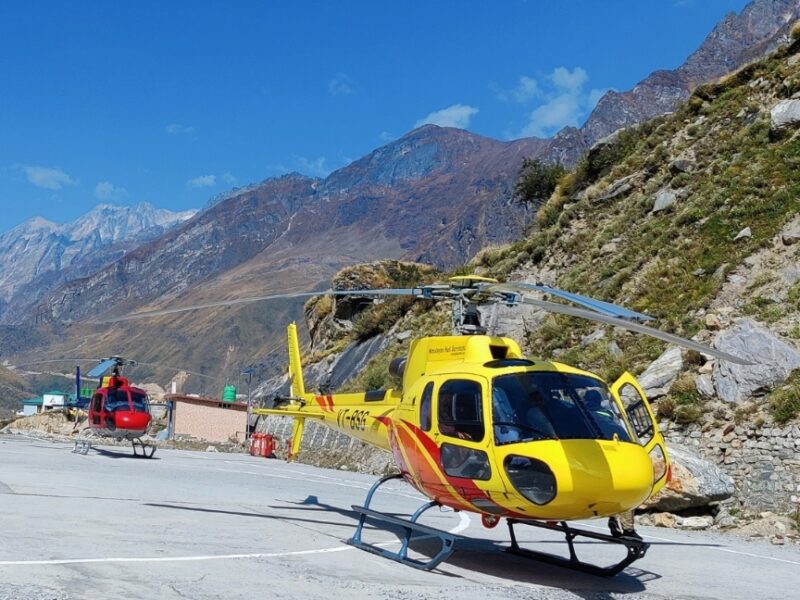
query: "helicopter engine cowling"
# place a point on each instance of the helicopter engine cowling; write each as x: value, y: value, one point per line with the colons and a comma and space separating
x: 398, y: 366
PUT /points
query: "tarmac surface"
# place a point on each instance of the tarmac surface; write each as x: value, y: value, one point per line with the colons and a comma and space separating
x: 210, y: 525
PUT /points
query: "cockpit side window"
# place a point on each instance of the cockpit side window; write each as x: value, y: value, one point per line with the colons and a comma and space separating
x: 425, y: 407
x: 140, y: 403
x: 460, y: 411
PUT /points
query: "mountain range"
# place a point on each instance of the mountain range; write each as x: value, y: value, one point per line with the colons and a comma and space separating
x: 436, y: 195
x: 39, y: 255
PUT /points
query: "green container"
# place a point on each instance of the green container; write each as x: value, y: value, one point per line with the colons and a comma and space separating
x: 229, y: 393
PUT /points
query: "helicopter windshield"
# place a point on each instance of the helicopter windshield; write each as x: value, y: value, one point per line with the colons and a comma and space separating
x: 116, y: 400
x: 548, y: 405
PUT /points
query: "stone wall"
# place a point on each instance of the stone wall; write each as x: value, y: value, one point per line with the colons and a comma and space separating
x: 764, y: 460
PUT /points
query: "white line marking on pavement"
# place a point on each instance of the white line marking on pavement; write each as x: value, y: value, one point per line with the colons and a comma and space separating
x: 464, y: 522
x: 133, y: 559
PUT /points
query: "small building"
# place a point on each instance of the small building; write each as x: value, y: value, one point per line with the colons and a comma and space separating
x: 206, y: 418
x: 55, y: 399
x: 30, y: 407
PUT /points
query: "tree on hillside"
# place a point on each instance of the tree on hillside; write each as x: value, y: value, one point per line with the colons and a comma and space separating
x: 537, y: 180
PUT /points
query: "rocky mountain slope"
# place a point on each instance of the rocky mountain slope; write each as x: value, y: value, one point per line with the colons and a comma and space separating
x: 693, y: 218
x: 437, y: 194
x: 13, y: 389
x: 39, y: 255
x: 736, y: 40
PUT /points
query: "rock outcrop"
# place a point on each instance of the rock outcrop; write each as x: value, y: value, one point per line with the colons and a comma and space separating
x: 773, y: 359
x: 662, y: 373
x: 695, y: 483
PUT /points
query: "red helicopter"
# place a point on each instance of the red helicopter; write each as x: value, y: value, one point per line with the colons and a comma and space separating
x: 116, y: 410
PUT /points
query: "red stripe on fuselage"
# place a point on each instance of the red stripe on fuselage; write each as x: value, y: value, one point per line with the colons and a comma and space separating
x: 465, y: 487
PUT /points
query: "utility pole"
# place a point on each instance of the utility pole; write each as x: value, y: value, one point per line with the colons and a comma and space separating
x: 249, y: 372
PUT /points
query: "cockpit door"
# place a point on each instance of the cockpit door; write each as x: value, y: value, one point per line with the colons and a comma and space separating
x: 631, y: 398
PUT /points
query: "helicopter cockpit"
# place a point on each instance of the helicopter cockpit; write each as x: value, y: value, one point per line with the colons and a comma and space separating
x: 536, y: 405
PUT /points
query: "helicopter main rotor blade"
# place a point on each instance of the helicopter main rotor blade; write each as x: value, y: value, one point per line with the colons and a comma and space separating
x: 171, y: 311
x: 102, y: 367
x: 604, y: 308
x: 57, y: 360
x: 636, y: 327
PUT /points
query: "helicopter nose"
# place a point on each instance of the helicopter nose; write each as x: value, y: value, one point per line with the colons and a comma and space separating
x: 583, y: 478
x: 132, y: 420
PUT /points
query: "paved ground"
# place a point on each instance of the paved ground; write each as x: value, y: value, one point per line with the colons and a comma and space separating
x: 202, y: 525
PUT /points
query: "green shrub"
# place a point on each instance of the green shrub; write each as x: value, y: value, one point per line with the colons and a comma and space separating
x: 688, y: 413
x: 537, y: 180
x: 665, y: 408
x: 784, y: 403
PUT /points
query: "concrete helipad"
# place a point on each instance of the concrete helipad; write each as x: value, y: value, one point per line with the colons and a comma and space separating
x: 204, y: 525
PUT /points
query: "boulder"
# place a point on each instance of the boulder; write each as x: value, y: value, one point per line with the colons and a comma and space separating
x: 664, y: 199
x: 696, y: 523
x: 791, y: 235
x: 597, y: 334
x: 681, y: 165
x: 695, y: 483
x: 785, y: 113
x: 744, y: 233
x: 774, y: 361
x: 712, y: 322
x: 618, y: 188
x: 662, y: 373
x: 664, y: 519
x: 704, y: 385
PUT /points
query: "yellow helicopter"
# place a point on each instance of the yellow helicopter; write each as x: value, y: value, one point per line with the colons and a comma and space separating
x: 477, y: 426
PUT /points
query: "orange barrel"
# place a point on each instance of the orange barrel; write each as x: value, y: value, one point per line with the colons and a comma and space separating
x: 253, y: 443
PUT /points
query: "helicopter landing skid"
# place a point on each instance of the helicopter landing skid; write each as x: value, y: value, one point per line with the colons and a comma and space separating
x: 408, y: 527
x: 636, y: 548
x: 147, y: 450
x: 83, y: 443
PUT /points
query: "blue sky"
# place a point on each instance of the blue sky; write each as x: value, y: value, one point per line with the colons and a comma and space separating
x: 175, y: 102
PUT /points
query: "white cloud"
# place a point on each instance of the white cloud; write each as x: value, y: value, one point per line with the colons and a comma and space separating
x: 203, y: 181
x: 457, y: 115
x: 48, y: 178
x: 316, y: 167
x: 385, y: 136
x: 107, y: 191
x: 564, y: 103
x: 527, y: 89
x: 341, y: 85
x: 177, y: 128
x: 569, y: 81
x: 229, y: 179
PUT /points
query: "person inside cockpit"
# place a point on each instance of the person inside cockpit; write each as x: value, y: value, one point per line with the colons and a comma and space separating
x: 604, y: 415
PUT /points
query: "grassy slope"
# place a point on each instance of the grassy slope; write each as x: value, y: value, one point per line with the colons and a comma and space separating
x: 743, y: 176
